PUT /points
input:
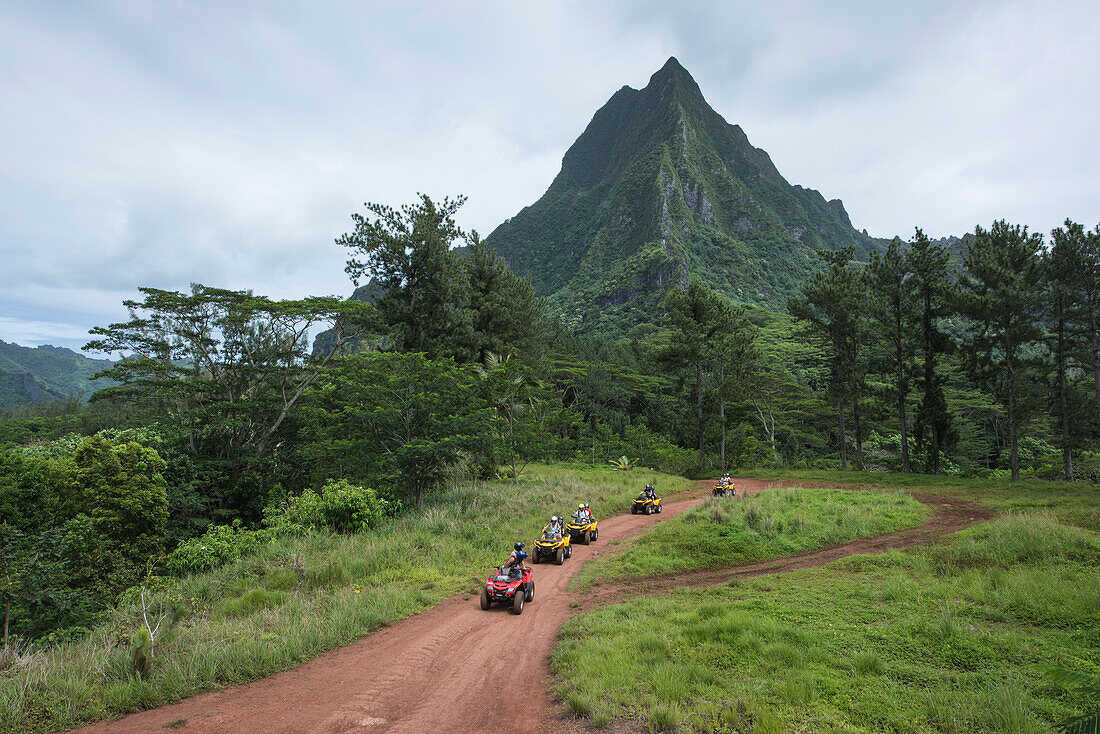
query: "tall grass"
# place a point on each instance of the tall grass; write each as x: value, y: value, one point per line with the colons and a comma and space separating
x: 298, y: 597
x: 724, y: 532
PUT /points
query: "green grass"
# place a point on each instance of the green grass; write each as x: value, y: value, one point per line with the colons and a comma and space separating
x: 724, y: 532
x: 299, y: 597
x: 957, y: 637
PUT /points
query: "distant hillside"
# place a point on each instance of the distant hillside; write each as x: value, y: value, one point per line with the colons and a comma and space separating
x: 660, y: 188
x: 30, y: 375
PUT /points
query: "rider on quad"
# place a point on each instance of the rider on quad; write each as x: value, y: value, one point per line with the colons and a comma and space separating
x: 649, y: 492
x: 515, y: 561
x: 582, y: 514
x: 553, y: 528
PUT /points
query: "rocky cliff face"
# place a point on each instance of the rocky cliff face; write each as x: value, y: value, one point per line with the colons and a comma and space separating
x: 658, y: 189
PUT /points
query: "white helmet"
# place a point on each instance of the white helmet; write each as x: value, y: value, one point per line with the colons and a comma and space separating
x: 554, y: 518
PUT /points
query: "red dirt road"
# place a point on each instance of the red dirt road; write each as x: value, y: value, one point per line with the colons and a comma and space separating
x: 456, y: 667
x: 452, y: 668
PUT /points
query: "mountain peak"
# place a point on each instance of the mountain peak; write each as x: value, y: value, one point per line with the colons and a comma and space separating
x: 659, y: 188
x: 673, y: 73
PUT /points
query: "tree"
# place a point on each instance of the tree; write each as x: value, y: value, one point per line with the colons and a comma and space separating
x: 1086, y: 286
x: 122, y: 491
x: 832, y: 303
x: 928, y: 264
x: 889, y: 288
x: 693, y: 314
x: 224, y: 369
x: 401, y: 415
x: 733, y: 353
x: 12, y: 561
x: 1001, y: 294
x: 515, y: 396
x: 780, y: 387
x: 422, y: 285
x: 1068, y: 279
x: 506, y: 316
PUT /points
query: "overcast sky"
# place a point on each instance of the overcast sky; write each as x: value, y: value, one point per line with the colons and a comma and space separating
x: 161, y: 143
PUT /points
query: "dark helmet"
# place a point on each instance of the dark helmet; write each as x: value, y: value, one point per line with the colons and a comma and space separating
x: 519, y: 547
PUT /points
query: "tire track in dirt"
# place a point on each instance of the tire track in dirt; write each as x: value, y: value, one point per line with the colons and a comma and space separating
x: 453, y: 667
x: 456, y: 667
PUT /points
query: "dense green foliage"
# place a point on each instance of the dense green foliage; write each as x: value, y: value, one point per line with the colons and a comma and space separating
x: 995, y: 349
x: 80, y: 525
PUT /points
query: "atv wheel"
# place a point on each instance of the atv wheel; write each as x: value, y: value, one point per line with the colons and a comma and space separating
x: 595, y: 533
x: 569, y: 551
x: 530, y: 594
x: 633, y: 510
x: 585, y: 538
x: 559, y: 557
x: 535, y: 557
x: 517, y: 602
x: 660, y: 508
x: 485, y: 602
x: 648, y: 509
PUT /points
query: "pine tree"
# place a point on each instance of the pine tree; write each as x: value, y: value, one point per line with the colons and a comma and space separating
x: 1068, y: 275
x: 928, y: 264
x: 890, y: 287
x: 832, y: 302
x: 693, y: 315
x: 506, y: 316
x: 1001, y: 294
x: 1088, y: 292
x: 733, y: 352
x: 423, y: 287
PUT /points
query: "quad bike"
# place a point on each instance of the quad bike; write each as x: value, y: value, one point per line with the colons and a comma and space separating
x: 645, y: 505
x: 557, y: 548
x: 503, y: 586
x: 724, y: 490
x: 582, y: 531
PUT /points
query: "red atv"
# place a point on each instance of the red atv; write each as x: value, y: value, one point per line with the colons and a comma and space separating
x: 505, y: 586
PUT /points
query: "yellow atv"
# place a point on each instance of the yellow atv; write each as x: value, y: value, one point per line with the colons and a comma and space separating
x: 549, y: 546
x: 582, y: 531
x: 645, y: 505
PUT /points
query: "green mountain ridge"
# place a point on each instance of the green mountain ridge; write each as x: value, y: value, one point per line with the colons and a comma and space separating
x: 659, y: 188
x: 34, y: 374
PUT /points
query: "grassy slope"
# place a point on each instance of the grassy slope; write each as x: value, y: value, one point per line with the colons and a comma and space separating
x: 731, y: 531
x: 299, y: 597
x: 950, y: 638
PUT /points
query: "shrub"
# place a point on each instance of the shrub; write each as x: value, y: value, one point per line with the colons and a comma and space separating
x: 219, y: 545
x: 340, y: 506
